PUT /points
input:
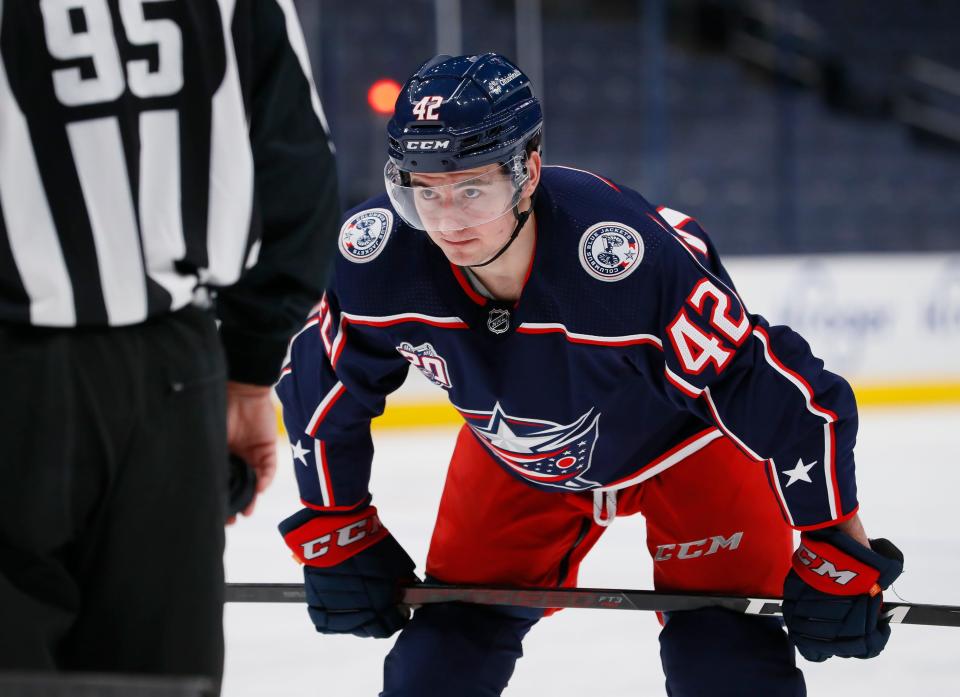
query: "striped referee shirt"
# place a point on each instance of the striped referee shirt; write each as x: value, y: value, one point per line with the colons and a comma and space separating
x: 152, y: 147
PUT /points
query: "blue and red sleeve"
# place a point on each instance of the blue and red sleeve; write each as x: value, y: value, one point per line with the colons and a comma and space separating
x: 334, y: 382
x: 760, y: 384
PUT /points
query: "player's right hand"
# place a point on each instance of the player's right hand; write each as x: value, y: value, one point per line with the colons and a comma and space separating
x: 353, y: 570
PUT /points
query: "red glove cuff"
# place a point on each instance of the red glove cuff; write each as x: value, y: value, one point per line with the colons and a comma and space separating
x: 331, y: 539
x: 830, y: 570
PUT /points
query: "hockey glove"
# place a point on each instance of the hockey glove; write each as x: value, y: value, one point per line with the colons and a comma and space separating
x: 352, y: 572
x: 833, y: 594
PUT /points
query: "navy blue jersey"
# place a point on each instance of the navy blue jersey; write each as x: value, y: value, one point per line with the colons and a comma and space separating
x: 628, y: 350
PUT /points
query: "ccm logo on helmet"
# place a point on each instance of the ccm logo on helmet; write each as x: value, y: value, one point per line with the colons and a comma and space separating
x: 427, y: 144
x: 345, y: 536
x: 823, y: 567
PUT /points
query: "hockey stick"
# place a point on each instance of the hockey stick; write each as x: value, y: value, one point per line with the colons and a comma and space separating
x: 596, y: 598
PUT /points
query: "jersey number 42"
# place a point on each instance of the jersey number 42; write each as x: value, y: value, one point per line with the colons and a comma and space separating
x: 696, y: 347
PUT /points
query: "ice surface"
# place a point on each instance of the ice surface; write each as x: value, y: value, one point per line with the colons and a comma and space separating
x: 909, y: 478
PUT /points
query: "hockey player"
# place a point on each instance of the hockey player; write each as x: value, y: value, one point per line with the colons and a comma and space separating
x: 604, y: 365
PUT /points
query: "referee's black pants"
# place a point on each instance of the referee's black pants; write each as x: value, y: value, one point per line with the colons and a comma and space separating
x: 112, y: 498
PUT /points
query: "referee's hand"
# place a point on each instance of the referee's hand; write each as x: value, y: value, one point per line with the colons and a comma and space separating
x: 252, y: 433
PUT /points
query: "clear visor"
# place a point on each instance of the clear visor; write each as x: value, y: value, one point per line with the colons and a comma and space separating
x: 429, y: 202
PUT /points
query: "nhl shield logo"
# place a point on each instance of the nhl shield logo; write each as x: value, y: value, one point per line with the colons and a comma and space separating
x: 543, y: 452
x: 365, y: 235
x: 610, y: 251
x: 498, y: 320
x: 426, y: 359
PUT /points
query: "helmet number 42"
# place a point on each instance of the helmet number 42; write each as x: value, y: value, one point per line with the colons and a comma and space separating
x: 425, y: 109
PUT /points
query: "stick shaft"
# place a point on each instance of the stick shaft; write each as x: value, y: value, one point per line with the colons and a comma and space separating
x: 595, y: 598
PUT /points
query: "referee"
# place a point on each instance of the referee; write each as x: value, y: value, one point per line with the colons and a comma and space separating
x: 164, y: 167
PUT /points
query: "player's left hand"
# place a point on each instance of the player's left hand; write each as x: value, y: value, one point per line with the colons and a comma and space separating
x: 252, y: 433
x: 832, y: 596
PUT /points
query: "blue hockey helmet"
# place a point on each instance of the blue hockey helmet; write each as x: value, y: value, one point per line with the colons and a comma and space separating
x: 456, y: 114
x: 463, y: 112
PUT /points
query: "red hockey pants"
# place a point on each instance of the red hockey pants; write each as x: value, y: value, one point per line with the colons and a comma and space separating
x: 712, y: 525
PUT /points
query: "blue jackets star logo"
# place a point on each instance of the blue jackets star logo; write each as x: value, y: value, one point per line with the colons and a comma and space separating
x: 543, y: 452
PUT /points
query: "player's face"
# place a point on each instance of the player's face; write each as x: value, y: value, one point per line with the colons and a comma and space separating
x: 450, y: 205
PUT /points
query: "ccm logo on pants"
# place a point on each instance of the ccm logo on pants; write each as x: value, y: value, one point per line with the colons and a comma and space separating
x: 692, y: 550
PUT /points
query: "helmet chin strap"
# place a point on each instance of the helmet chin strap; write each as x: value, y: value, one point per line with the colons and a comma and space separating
x: 521, y: 221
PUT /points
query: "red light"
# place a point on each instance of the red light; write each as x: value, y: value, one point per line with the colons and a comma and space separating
x: 382, y: 95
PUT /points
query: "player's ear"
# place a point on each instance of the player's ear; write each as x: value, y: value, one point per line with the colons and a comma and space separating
x: 534, y: 163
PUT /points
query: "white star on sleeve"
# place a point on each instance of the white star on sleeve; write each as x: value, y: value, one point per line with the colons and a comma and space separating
x: 299, y: 453
x: 799, y: 473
